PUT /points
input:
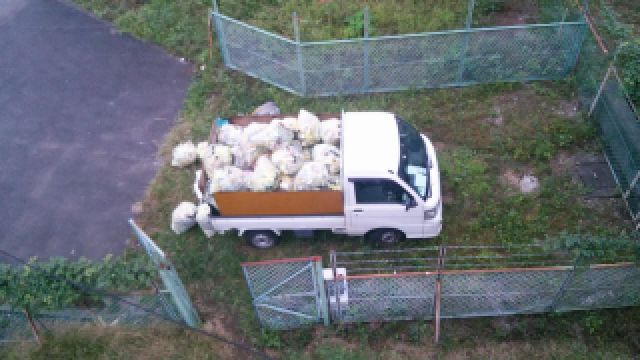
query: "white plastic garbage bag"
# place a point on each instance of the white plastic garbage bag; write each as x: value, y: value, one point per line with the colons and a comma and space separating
x: 312, y: 176
x: 308, y: 127
x: 252, y: 130
x: 328, y: 155
x: 335, y: 182
x: 263, y: 177
x: 271, y: 136
x: 229, y: 134
x: 204, y: 150
x: 228, y: 178
x: 286, y: 183
x: 288, y: 159
x: 184, y: 154
x: 245, y: 155
x: 219, y: 157
x: 268, y: 108
x: 183, y: 217
x: 202, y: 218
x: 330, y: 131
x: 290, y: 123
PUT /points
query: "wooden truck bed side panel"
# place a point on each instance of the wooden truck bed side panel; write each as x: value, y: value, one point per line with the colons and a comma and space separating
x: 246, y: 203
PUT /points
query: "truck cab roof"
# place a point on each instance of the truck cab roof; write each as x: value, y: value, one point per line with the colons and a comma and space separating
x: 370, y: 144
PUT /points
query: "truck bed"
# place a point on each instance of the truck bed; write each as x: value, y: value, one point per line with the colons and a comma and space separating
x: 274, y: 203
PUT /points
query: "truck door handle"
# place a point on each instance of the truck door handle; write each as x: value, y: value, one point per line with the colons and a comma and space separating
x: 358, y: 210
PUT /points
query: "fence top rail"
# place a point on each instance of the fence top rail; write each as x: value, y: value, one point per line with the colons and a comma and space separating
x: 255, y: 28
x: 280, y: 261
x: 386, y: 251
x: 480, y: 271
x: 444, y: 32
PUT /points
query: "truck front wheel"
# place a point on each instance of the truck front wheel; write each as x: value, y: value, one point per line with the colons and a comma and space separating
x: 386, y: 237
x: 261, y: 239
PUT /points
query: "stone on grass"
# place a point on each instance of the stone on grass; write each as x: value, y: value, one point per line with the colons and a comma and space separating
x: 529, y: 184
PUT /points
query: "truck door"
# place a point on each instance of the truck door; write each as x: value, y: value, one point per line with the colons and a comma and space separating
x: 382, y: 203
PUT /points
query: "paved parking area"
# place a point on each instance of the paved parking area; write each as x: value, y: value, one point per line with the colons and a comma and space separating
x: 82, y: 112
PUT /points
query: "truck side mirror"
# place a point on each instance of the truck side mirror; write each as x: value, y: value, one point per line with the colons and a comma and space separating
x: 409, y: 202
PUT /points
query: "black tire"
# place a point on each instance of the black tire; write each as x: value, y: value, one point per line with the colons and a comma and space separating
x: 386, y: 237
x: 261, y: 239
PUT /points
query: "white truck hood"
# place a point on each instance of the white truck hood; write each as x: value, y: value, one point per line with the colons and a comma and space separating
x: 370, y: 144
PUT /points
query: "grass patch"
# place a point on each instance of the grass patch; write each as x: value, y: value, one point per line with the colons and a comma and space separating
x: 480, y: 132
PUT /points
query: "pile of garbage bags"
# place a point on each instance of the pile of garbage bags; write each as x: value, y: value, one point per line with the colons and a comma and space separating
x: 287, y: 154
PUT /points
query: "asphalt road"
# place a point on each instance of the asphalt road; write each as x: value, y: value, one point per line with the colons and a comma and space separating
x: 82, y: 112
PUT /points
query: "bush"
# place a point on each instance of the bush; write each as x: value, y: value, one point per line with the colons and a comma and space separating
x: 50, y: 285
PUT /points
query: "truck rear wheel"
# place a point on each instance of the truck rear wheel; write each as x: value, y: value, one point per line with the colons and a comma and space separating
x: 386, y: 237
x: 261, y: 239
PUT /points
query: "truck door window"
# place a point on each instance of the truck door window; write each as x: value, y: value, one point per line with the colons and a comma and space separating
x: 379, y: 192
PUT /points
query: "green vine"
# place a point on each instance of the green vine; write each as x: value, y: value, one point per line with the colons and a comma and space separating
x: 50, y: 285
x: 591, y: 249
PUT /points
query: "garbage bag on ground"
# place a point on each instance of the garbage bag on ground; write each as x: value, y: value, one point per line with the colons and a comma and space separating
x: 202, y: 218
x: 229, y: 134
x: 271, y: 136
x: 268, y: 108
x: 330, y: 131
x: 228, y: 178
x: 263, y: 177
x: 204, y: 150
x: 328, y: 155
x: 313, y: 175
x: 288, y: 158
x: 308, y: 127
x: 184, y: 154
x: 183, y: 217
x: 219, y: 157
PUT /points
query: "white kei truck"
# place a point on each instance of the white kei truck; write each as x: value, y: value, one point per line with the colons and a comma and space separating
x: 390, y: 189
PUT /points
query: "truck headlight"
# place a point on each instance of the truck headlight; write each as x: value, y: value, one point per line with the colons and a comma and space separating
x: 433, y: 212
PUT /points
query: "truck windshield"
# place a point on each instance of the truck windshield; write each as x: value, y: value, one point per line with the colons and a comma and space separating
x: 413, y: 159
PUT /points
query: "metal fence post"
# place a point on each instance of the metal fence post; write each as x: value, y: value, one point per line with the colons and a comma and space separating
x: 437, y: 294
x: 220, y: 33
x: 296, y: 32
x: 335, y: 287
x: 365, y: 46
x: 465, y: 47
x: 323, y: 305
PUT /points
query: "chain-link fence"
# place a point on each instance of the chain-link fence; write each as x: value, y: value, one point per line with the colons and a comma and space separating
x: 604, y: 99
x: 438, y: 283
x: 389, y: 63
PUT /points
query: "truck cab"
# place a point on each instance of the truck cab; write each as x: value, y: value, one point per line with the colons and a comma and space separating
x: 391, y: 179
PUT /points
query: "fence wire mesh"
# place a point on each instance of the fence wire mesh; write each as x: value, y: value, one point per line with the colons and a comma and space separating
x: 498, y: 293
x: 385, y: 298
x: 601, y: 287
x: 389, y: 63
